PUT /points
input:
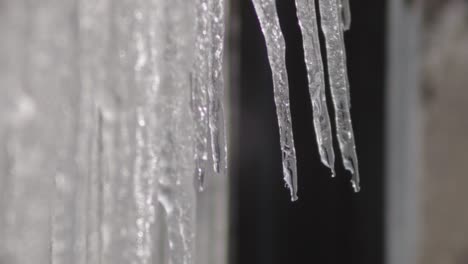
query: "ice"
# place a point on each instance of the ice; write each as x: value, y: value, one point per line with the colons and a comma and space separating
x: 268, y: 18
x: 208, y: 89
x: 96, y: 149
x: 37, y: 57
x: 173, y: 141
x: 345, y: 14
x: 201, y: 83
x: 307, y: 17
x: 216, y: 91
x: 109, y: 108
x: 333, y: 28
x: 335, y: 18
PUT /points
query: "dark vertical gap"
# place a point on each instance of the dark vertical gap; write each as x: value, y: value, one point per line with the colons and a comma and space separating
x: 329, y: 223
x: 257, y: 162
x: 366, y: 46
x: 233, y: 81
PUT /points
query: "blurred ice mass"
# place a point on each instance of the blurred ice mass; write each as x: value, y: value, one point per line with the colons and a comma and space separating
x: 110, y: 109
x: 89, y: 173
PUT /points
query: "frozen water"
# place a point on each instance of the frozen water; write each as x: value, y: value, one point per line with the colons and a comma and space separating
x: 96, y: 132
x: 202, y: 84
x: 307, y: 17
x: 345, y: 14
x: 333, y: 28
x: 216, y: 91
x: 208, y: 90
x: 335, y: 18
x: 111, y: 110
x: 276, y: 48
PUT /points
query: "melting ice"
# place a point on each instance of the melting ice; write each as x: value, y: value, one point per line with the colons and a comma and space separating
x: 335, y: 18
x: 111, y: 108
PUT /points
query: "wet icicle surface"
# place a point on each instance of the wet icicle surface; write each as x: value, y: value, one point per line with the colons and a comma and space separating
x: 109, y: 108
x: 96, y: 149
x: 335, y: 18
x: 307, y: 17
x: 333, y: 27
x: 201, y: 84
x: 173, y: 141
x: 268, y: 18
x: 208, y: 90
x: 216, y: 91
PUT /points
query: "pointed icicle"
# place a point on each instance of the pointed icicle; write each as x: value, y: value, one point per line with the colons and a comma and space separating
x: 200, y: 87
x: 307, y: 17
x: 276, y: 48
x: 336, y: 57
x: 216, y: 89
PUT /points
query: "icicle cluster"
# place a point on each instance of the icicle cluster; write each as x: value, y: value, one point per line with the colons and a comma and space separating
x: 207, y: 90
x: 335, y: 18
x: 109, y: 109
x: 266, y: 12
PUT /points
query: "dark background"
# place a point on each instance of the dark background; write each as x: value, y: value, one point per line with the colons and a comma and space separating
x: 329, y: 223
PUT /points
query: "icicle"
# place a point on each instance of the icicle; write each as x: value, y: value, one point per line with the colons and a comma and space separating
x: 216, y: 89
x: 173, y: 146
x: 201, y: 86
x: 144, y: 192
x: 268, y: 18
x: 307, y: 17
x: 147, y: 68
x: 334, y: 41
x: 345, y: 14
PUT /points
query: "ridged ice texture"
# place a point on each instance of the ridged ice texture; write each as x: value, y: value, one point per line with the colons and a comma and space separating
x: 216, y: 90
x: 201, y: 86
x: 208, y: 90
x: 332, y: 28
x: 307, y: 17
x: 268, y: 18
x: 96, y: 150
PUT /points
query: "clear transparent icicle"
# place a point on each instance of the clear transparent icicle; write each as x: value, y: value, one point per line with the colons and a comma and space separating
x: 201, y: 85
x: 332, y: 28
x: 307, y: 17
x: 216, y: 89
x: 268, y: 18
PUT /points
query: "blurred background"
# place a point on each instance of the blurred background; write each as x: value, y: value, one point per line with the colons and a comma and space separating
x: 408, y: 70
